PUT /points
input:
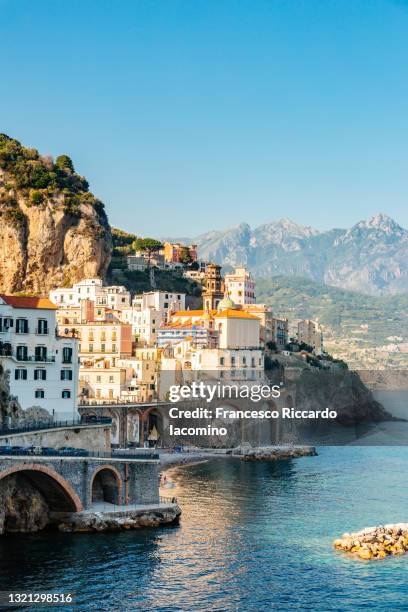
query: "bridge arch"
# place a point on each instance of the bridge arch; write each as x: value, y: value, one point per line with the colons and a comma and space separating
x: 106, y: 485
x: 58, y: 493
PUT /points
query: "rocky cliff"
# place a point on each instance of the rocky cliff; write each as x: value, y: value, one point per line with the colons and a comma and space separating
x: 53, y: 231
x: 342, y: 391
x: 23, y: 508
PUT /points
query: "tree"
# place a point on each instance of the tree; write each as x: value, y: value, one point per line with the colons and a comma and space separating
x: 271, y: 345
x: 64, y: 162
x: 149, y: 245
x: 185, y: 257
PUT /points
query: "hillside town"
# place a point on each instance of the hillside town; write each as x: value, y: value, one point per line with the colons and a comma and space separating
x: 93, y: 345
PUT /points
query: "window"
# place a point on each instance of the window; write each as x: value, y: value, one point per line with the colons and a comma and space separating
x: 111, y: 380
x: 42, y: 326
x: 22, y: 353
x: 222, y: 360
x: 67, y: 354
x: 232, y: 361
x: 21, y: 326
x: 165, y: 305
x: 40, y: 374
x: 253, y: 362
x: 66, y: 394
x: 66, y: 374
x: 113, y: 348
x: 20, y: 374
x: 103, y: 348
x: 99, y: 379
x: 91, y: 348
x: 41, y: 353
x: 39, y: 393
x: 7, y: 323
x: 244, y: 361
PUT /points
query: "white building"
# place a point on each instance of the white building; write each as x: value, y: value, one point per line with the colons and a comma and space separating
x: 237, y: 329
x: 43, y: 366
x: 240, y: 287
x: 160, y: 300
x: 149, y: 311
x: 145, y: 323
x: 115, y: 296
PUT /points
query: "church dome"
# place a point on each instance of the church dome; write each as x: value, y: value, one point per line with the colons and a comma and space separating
x: 226, y: 303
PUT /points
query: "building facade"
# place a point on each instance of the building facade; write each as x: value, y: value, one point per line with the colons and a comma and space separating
x: 240, y: 287
x: 43, y: 365
x: 115, y: 296
x: 174, y: 252
x: 310, y: 333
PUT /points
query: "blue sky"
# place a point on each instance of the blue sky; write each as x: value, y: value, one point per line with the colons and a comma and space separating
x: 187, y: 116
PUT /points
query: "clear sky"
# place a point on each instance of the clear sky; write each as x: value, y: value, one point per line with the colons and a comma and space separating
x: 187, y: 116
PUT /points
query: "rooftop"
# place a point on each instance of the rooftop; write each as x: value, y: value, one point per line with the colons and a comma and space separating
x: 22, y: 301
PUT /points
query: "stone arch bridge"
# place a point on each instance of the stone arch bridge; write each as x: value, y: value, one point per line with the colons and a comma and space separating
x: 74, y: 484
x: 133, y: 423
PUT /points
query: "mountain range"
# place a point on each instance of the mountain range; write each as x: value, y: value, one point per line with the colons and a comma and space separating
x: 371, y: 257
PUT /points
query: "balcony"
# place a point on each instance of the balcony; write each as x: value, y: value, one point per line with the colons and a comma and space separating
x: 12, y: 353
x: 37, y: 358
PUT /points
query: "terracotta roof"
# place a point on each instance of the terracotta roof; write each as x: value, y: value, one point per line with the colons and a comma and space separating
x: 23, y: 301
x: 190, y: 313
x: 230, y: 313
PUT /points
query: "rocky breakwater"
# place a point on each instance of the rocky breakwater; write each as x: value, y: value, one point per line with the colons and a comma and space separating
x: 276, y: 453
x: 163, y: 514
x: 375, y: 542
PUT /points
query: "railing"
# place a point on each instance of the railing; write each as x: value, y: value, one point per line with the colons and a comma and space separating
x: 25, y: 358
x: 94, y: 401
x: 38, y: 425
x: 38, y: 451
x: 168, y: 500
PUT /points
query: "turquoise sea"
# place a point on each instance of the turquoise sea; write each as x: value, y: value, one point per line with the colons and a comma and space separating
x: 252, y: 537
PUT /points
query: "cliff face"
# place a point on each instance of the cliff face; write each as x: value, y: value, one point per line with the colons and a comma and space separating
x: 342, y: 391
x: 23, y: 509
x: 53, y: 231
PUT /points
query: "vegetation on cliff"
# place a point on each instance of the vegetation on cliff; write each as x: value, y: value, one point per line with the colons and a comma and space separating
x: 38, y: 178
x: 125, y: 243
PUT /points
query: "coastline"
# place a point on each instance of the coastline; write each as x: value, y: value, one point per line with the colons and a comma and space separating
x: 270, y: 453
x: 170, y: 460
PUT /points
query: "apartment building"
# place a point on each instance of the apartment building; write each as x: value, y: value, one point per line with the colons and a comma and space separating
x: 240, y: 287
x: 115, y: 296
x: 43, y: 365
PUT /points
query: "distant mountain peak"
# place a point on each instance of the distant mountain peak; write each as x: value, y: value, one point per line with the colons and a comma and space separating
x: 381, y: 221
x: 370, y: 257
